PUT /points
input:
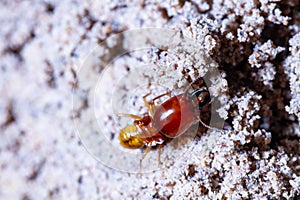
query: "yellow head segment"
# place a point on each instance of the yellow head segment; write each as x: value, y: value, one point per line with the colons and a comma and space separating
x: 131, y: 138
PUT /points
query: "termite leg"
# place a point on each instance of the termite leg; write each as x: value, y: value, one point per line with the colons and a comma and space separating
x: 145, y: 152
x: 131, y: 116
x: 143, y: 156
x: 168, y: 93
x: 150, y: 104
x: 159, y: 153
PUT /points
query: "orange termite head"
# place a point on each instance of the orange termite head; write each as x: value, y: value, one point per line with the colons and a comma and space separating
x: 202, y: 95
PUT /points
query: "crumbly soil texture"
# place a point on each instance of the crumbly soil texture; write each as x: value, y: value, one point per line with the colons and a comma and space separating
x: 54, y: 55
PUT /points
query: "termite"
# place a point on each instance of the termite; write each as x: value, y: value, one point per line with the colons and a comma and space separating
x: 164, y: 121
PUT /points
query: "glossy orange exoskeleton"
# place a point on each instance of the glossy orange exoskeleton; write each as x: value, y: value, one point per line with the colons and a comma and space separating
x: 164, y: 121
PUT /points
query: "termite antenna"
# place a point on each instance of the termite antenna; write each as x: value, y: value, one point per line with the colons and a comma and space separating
x: 212, y: 99
x: 207, y: 126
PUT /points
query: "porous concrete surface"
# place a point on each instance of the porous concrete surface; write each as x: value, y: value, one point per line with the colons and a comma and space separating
x: 256, y: 47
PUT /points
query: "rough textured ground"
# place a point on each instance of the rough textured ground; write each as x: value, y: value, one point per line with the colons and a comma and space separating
x: 256, y: 47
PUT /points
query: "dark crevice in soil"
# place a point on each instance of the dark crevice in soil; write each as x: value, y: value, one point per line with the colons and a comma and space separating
x: 240, y: 77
